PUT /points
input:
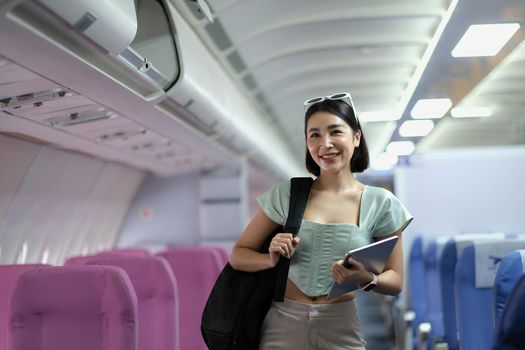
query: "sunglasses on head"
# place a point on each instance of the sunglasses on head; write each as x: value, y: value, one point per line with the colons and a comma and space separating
x: 344, y: 96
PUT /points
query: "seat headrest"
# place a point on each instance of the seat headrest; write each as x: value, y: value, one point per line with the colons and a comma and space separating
x: 125, y: 252
x: 510, y: 333
x: 151, y: 276
x: 488, y: 256
x: 511, y: 268
x: 71, y: 289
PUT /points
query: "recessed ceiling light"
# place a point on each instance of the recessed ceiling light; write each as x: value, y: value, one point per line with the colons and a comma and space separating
x: 384, y: 161
x: 400, y: 148
x: 484, y: 39
x: 378, y: 116
x: 425, y: 59
x: 412, y: 128
x: 431, y: 108
x: 469, y: 112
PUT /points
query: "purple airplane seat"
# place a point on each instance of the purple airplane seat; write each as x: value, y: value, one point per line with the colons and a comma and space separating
x: 78, y: 260
x: 9, y: 275
x: 196, y: 270
x: 125, y: 252
x: 74, y: 307
x: 223, y: 253
x: 157, y: 298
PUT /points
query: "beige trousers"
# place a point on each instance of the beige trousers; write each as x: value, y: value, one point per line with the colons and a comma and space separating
x: 297, y: 326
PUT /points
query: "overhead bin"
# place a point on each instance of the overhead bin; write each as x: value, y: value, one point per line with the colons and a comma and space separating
x: 129, y: 40
x: 153, y: 51
x: 207, y: 98
x: 98, y: 20
x: 165, y: 82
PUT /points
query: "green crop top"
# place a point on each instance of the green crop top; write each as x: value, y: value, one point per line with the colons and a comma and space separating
x: 381, y: 214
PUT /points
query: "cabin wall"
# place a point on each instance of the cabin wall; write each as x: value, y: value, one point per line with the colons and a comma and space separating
x: 211, y: 208
x: 185, y: 210
x: 463, y: 191
x: 458, y: 191
x: 55, y: 203
x: 165, y: 211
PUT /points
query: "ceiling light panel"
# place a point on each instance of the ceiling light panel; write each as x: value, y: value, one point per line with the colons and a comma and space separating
x: 470, y: 112
x: 433, y: 108
x: 384, y: 161
x: 400, y: 148
x: 484, y: 39
x: 416, y: 128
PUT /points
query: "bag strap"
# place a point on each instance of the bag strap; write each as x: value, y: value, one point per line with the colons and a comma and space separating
x: 299, y: 192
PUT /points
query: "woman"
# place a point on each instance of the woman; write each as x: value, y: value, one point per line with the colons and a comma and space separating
x: 341, y: 214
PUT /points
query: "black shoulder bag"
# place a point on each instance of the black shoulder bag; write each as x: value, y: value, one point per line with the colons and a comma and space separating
x: 239, y: 301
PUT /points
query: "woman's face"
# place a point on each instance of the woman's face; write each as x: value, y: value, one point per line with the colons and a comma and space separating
x: 331, y: 141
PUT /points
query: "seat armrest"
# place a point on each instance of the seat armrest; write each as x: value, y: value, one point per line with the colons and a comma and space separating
x: 424, y: 330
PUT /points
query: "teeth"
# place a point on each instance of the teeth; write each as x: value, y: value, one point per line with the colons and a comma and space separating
x: 333, y: 155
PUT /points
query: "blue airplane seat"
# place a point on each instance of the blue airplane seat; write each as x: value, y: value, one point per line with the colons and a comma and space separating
x: 475, y: 273
x: 417, y: 281
x: 434, y: 312
x: 509, y: 334
x: 511, y: 268
x: 447, y: 275
x: 447, y: 265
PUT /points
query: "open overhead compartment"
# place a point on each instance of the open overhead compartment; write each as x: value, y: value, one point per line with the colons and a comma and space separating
x: 164, y: 88
x: 130, y: 41
x: 207, y: 98
x: 77, y: 94
x: 95, y: 19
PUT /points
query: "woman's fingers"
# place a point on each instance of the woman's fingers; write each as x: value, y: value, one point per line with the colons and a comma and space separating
x: 280, y: 247
x: 284, y: 243
x: 286, y: 238
x: 337, y: 274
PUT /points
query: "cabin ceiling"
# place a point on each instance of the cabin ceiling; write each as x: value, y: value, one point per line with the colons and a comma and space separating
x: 285, y: 51
x: 388, y: 55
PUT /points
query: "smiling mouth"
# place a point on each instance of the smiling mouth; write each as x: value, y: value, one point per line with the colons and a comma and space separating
x: 329, y: 155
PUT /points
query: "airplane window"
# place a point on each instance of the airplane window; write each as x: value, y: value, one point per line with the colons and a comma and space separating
x: 154, y: 42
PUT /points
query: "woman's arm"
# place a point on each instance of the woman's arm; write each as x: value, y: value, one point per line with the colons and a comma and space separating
x: 245, y: 255
x: 390, y: 281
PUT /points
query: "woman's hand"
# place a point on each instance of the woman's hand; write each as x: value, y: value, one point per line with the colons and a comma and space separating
x: 282, y: 244
x: 355, y: 273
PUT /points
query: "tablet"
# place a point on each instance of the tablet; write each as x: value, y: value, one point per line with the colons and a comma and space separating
x: 372, y: 256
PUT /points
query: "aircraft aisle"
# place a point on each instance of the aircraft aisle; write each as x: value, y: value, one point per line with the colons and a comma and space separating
x: 137, y: 135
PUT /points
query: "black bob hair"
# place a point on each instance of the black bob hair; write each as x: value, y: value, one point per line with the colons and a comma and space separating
x: 360, y: 159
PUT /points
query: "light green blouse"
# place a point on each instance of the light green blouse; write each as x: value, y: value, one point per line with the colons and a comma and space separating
x: 381, y: 214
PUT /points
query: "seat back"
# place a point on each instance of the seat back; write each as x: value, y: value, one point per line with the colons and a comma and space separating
x: 447, y: 275
x: 74, y: 307
x: 157, y: 298
x: 416, y: 275
x: 222, y: 253
x: 510, y: 270
x: 9, y: 275
x: 433, y: 305
x: 83, y: 259
x: 125, y: 252
x: 475, y: 273
x: 509, y: 334
x: 196, y: 269
x: 78, y: 260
